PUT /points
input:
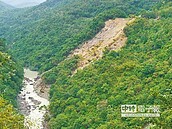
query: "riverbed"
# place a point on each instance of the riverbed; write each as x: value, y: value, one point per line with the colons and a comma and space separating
x: 31, y: 104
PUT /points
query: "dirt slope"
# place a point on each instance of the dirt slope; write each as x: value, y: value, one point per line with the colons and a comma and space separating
x: 111, y: 36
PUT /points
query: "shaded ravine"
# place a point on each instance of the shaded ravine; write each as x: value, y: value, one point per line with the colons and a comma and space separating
x: 30, y: 103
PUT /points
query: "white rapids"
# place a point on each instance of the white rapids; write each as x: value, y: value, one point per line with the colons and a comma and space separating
x: 33, y: 106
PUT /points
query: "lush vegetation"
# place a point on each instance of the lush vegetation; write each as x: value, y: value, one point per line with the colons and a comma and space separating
x: 54, y: 28
x: 140, y: 73
x: 11, y: 76
x: 9, y: 118
x: 5, y: 7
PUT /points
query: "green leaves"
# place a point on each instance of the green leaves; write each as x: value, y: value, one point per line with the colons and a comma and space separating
x: 53, y: 29
x: 9, y: 118
x: 11, y: 77
x: 137, y: 74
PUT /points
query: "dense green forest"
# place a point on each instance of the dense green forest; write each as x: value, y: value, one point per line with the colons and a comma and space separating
x: 41, y: 37
x: 140, y: 73
x: 11, y: 76
x: 5, y: 7
x: 54, y: 28
x: 9, y: 117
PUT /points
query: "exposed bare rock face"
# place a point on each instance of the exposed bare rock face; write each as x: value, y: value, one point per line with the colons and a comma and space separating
x: 41, y: 88
x: 111, y: 37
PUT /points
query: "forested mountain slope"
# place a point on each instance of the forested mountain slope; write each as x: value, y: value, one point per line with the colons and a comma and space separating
x: 5, y: 7
x: 9, y: 117
x: 11, y: 75
x: 54, y: 28
x: 139, y: 74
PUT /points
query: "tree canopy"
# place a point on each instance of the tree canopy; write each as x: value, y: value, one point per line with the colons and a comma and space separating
x: 140, y: 74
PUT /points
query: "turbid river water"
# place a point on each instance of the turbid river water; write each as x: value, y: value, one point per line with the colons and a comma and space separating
x: 31, y: 104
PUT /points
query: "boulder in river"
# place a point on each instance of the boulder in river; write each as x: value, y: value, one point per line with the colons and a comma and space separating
x: 31, y: 98
x: 36, y: 102
x: 27, y: 79
x: 27, y: 92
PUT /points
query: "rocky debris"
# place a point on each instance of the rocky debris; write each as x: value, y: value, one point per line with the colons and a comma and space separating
x: 111, y: 37
x: 27, y: 92
x: 30, y: 98
x: 34, y: 107
x: 27, y: 79
x: 36, y: 102
x: 24, y: 107
x: 37, y: 78
x: 42, y: 89
x: 30, y: 102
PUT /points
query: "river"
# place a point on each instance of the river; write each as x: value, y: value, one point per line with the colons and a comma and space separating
x: 30, y: 103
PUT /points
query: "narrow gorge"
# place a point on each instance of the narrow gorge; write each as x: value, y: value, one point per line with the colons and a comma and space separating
x: 31, y: 104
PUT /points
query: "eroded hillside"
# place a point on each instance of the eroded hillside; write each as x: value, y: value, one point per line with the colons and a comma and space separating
x: 43, y: 36
x: 110, y: 37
